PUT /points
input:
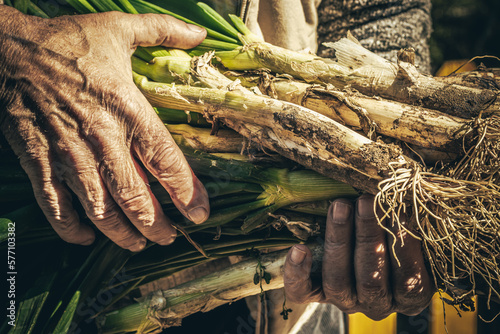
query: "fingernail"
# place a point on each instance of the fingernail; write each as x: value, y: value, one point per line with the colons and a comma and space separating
x: 138, y: 246
x: 198, y: 215
x: 341, y: 212
x: 195, y: 28
x: 365, y: 207
x: 297, y: 256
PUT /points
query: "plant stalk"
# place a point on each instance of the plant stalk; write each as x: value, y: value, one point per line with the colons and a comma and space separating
x: 286, y: 128
x: 412, y: 124
x: 167, y: 308
x: 358, y: 68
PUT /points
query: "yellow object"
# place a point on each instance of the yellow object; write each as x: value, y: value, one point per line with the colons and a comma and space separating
x: 466, y: 324
x: 361, y: 324
x: 451, y: 65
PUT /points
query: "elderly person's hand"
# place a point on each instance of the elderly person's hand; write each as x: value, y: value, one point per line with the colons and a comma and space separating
x: 71, y: 112
x: 360, y: 271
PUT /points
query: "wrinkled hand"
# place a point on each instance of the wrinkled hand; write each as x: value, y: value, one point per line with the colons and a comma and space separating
x: 360, y: 271
x: 71, y: 112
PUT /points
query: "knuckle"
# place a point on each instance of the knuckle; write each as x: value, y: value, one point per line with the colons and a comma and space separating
x: 108, y: 172
x: 376, y: 240
x: 412, y: 299
x: 164, y: 159
x: 32, y: 162
x: 64, y: 220
x: 102, y: 213
x: 372, y: 292
x: 407, y: 296
x: 411, y: 288
x: 157, y: 26
x: 111, y: 223
x: 54, y: 208
x: 134, y: 200
x: 162, y: 26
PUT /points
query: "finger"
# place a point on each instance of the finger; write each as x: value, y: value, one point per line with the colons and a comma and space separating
x: 155, y: 147
x: 56, y: 203
x: 297, y: 276
x: 52, y: 197
x: 371, y: 262
x: 156, y: 203
x: 155, y: 29
x: 412, y: 287
x: 79, y: 171
x: 127, y: 188
x: 338, y: 275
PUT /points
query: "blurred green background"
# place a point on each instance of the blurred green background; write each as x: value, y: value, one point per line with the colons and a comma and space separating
x: 464, y: 29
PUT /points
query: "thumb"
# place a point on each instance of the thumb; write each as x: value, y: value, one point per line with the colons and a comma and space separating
x: 165, y: 30
x: 297, y: 276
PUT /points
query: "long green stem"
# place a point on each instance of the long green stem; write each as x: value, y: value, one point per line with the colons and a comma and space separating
x: 22, y: 5
x: 218, y: 19
x: 152, y: 273
x: 164, y: 69
x: 213, y: 44
x: 209, y: 291
x: 226, y: 215
x: 149, y: 53
x: 82, y: 6
x: 411, y: 124
x: 174, y: 116
x: 37, y: 11
x: 146, y: 7
x: 106, y: 5
x: 287, y: 129
x: 128, y: 7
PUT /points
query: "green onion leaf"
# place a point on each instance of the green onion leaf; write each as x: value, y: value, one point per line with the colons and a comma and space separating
x: 128, y: 7
x: 146, y: 7
x: 106, y: 6
x: 82, y: 6
x: 217, y: 19
x: 67, y: 317
x: 37, y: 11
x: 21, y: 5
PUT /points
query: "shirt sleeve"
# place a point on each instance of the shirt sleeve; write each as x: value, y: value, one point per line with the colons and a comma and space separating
x: 288, y: 23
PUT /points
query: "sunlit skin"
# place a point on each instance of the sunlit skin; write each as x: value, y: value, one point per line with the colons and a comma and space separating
x: 71, y: 112
x: 360, y: 270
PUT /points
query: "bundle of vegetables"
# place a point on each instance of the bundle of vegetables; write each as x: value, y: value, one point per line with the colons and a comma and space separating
x: 423, y: 146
